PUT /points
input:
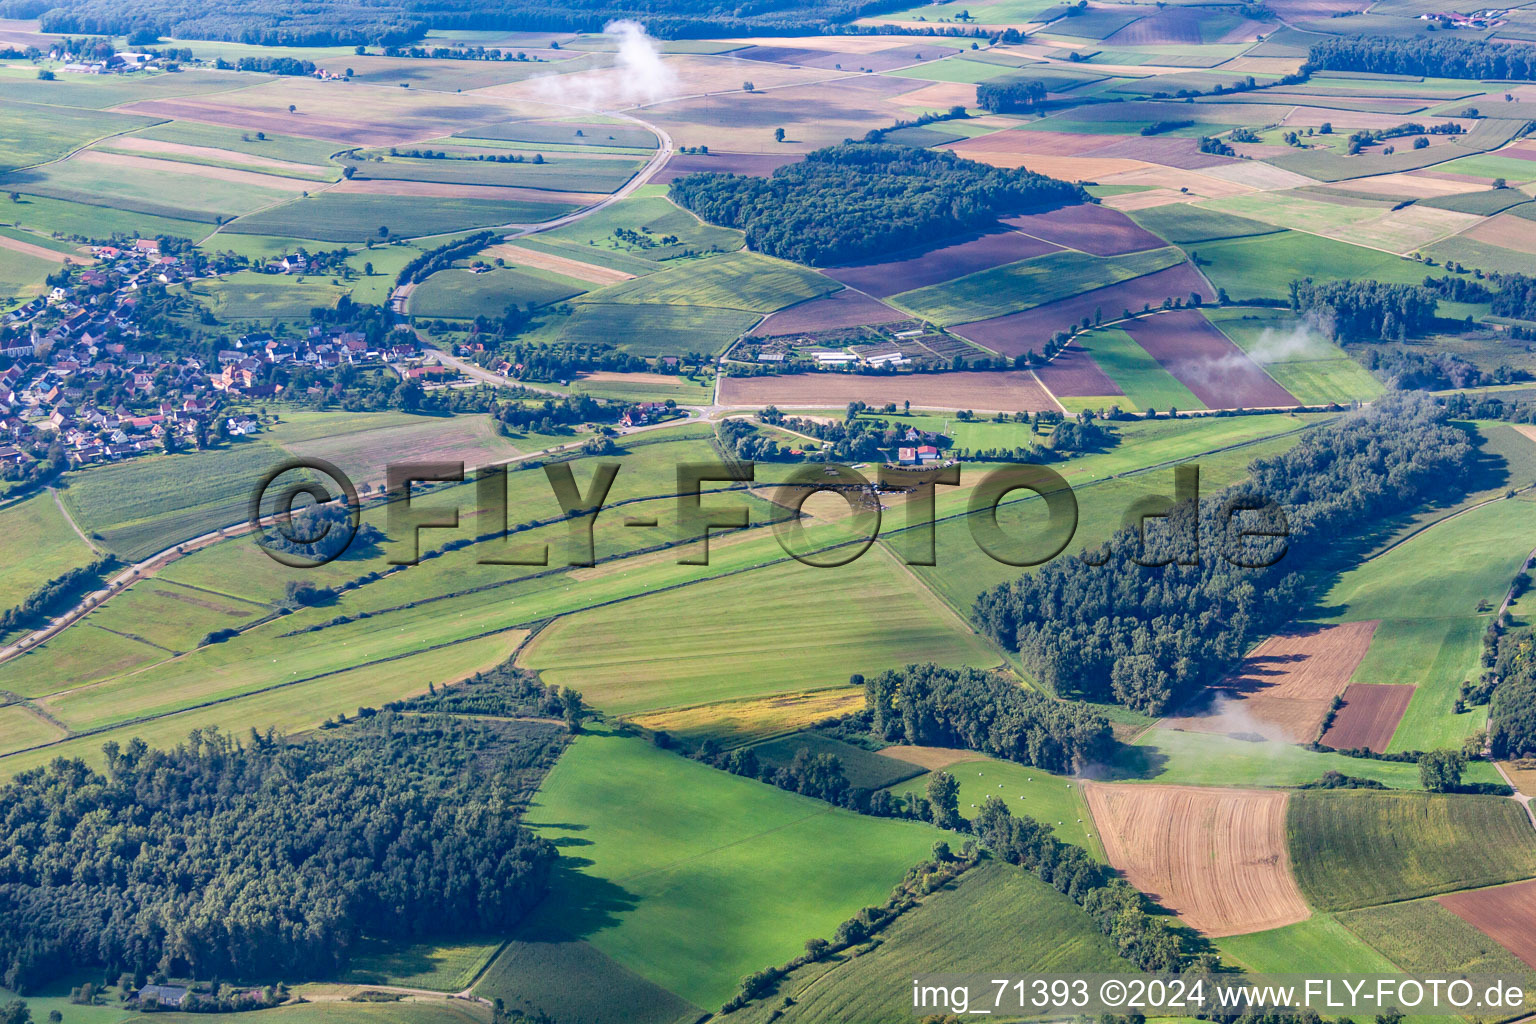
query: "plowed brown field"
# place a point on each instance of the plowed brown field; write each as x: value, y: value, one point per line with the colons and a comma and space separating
x: 1216, y: 857
x: 1506, y: 914
x: 1282, y: 690
x: 1011, y: 391
x: 1369, y: 716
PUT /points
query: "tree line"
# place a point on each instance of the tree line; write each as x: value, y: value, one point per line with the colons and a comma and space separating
x: 1440, y: 56
x: 1365, y: 310
x: 927, y: 705
x: 1147, y: 624
x: 34, y: 610
x: 858, y: 200
x: 396, y: 22
x: 163, y: 862
x: 1512, y: 711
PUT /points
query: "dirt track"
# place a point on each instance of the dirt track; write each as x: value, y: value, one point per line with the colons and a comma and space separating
x: 1216, y: 857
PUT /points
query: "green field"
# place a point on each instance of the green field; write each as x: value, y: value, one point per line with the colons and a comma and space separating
x: 863, y: 768
x: 1028, y: 283
x: 653, y: 216
x: 575, y: 134
x: 558, y: 173
x: 290, y: 148
x: 1201, y: 759
x: 741, y: 654
x: 173, y: 616
x: 251, y: 295
x: 1319, y: 944
x: 1182, y: 224
x: 1422, y: 937
x: 160, y: 193
x: 1353, y: 849
x: 151, y: 503
x: 1304, y: 362
x: 1145, y: 383
x: 1053, y: 800
x: 995, y: 914
x: 737, y: 280
x: 22, y: 275
x: 82, y: 220
x: 464, y: 295
x: 1264, y: 267
x: 694, y: 878
x: 1434, y: 595
x: 448, y: 966
x: 338, y: 217
x: 654, y: 330
x: 20, y: 728
x: 32, y: 133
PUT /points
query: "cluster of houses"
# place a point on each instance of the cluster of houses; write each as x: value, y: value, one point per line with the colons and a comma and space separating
x: 61, y: 346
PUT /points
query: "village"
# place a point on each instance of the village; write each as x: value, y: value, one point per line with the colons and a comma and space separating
x: 64, y: 351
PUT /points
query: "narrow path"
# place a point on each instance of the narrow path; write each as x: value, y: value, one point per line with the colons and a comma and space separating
x: 1523, y: 799
x: 71, y: 519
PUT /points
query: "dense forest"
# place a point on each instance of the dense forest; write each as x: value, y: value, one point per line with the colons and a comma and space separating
x: 1365, y: 310
x: 1141, y: 629
x: 939, y: 707
x: 855, y: 201
x: 1512, y: 713
x: 1010, y: 95
x: 392, y: 828
x: 379, y: 22
x: 1440, y: 56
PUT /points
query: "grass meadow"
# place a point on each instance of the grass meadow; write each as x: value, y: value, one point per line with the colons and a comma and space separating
x: 654, y: 329
x: 464, y: 295
x: 739, y: 280
x: 692, y: 877
x: 1028, y: 283
x: 40, y: 545
x: 741, y: 628
x: 1301, y: 360
x: 1434, y: 595
x: 994, y: 914
x: 1264, y: 267
x: 248, y: 295
x: 350, y: 217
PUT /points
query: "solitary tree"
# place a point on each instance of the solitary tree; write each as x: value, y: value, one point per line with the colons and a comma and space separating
x: 570, y: 705
x: 944, y: 796
x: 292, y: 108
x: 778, y: 135
x: 1440, y: 770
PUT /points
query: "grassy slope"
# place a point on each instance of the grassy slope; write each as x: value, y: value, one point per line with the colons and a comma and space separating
x: 40, y: 545
x: 995, y: 914
x: 693, y: 877
x: 1355, y: 849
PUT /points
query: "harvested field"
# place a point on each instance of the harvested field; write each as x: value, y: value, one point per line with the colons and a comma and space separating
x: 227, y: 174
x: 154, y: 147
x: 1074, y: 374
x: 1369, y: 716
x: 939, y: 95
x: 588, y: 272
x: 1032, y: 143
x: 917, y: 268
x: 1092, y: 229
x: 759, y: 164
x: 1507, y: 915
x: 738, y: 721
x: 845, y: 308
x: 1067, y: 168
x: 1283, y: 688
x: 932, y: 758
x: 1202, y: 186
x: 41, y: 252
x: 440, y: 190
x: 1012, y: 391
x: 1216, y: 857
x: 1207, y: 362
x: 1180, y: 153
x: 362, y: 132
x: 1017, y: 333
x: 1506, y: 231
